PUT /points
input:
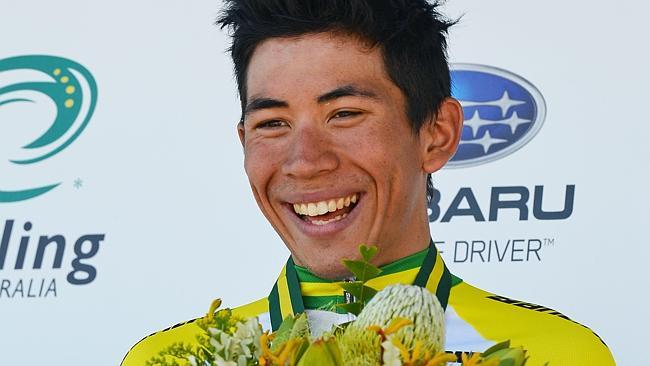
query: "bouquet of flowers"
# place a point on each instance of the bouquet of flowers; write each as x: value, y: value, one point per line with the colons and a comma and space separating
x: 400, y: 325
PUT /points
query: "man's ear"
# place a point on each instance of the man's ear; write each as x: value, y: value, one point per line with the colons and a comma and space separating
x: 242, y: 133
x: 440, y: 135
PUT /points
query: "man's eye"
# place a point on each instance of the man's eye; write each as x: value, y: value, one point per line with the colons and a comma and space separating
x: 276, y: 123
x: 344, y: 114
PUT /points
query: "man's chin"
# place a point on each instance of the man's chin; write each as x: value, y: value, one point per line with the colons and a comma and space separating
x: 333, y: 271
x: 325, y: 261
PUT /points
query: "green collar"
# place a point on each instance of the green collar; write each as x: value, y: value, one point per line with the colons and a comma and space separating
x: 403, y: 264
x: 286, y: 298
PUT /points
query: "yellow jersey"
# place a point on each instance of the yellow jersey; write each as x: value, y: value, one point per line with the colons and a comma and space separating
x: 474, y: 319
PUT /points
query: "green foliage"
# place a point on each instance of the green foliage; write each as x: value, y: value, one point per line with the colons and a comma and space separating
x: 367, y: 253
x: 359, y: 290
x: 283, y: 333
x: 223, y: 320
x: 496, y: 347
x: 507, y: 356
x: 203, y: 351
x: 322, y: 352
x: 290, y: 328
x: 352, y: 308
x: 363, y: 271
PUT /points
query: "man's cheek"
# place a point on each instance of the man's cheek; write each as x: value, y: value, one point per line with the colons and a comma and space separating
x: 253, y: 160
x: 255, y: 175
x: 260, y: 168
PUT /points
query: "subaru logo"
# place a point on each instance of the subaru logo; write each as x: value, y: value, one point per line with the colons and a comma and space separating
x: 503, y: 112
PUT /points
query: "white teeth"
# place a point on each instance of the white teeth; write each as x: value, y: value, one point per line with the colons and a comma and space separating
x: 325, y: 222
x: 323, y: 207
x: 312, y: 210
x: 331, y: 206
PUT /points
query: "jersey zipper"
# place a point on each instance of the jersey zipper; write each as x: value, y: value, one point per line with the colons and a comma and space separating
x: 349, y: 298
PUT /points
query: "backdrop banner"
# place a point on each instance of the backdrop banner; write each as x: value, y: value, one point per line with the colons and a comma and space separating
x: 124, y: 206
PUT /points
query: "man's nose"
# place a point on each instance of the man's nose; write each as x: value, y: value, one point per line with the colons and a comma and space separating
x: 311, y: 154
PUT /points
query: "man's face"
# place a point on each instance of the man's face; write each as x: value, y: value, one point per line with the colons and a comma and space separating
x: 329, y: 151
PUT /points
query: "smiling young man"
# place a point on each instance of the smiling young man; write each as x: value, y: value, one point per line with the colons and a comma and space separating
x: 346, y: 111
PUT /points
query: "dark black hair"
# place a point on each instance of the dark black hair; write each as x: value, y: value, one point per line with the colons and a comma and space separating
x: 410, y: 33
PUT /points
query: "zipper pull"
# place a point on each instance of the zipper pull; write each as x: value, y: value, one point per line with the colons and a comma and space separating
x: 349, y: 298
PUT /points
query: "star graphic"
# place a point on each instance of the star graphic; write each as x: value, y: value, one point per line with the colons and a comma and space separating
x: 486, y: 141
x: 476, y: 122
x: 504, y: 103
x: 78, y: 183
x: 513, y: 122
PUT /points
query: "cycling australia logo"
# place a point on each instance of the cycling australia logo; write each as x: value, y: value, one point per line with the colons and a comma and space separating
x: 29, y: 80
x: 503, y: 112
x: 46, y: 102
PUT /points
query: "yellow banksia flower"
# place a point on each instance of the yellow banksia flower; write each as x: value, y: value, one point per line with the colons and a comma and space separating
x: 360, y: 346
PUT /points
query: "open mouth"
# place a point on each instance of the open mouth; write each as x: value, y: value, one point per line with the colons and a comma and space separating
x: 326, y: 212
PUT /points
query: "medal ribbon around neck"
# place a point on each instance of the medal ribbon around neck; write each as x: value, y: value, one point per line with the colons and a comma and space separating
x: 285, y: 298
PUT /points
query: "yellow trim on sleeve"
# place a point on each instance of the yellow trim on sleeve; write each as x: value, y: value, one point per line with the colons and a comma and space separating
x: 151, y: 345
x: 255, y: 308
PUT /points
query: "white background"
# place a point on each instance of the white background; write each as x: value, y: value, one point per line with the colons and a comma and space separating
x: 162, y: 172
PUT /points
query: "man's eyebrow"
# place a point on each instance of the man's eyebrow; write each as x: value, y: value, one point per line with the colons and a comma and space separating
x: 346, y: 91
x: 257, y: 103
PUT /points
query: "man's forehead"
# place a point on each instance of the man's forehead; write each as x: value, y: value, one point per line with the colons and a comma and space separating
x: 332, y: 39
x: 314, y: 64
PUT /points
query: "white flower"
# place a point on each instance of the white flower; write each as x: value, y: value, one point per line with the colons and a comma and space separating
x: 413, y: 303
x: 248, y: 335
x: 237, y: 349
x: 219, y: 361
x: 242, y: 360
